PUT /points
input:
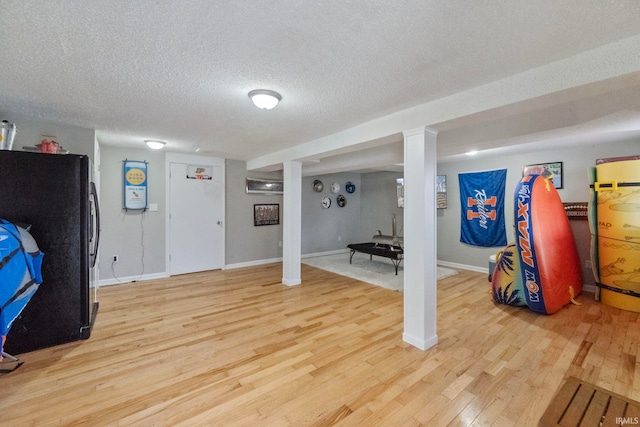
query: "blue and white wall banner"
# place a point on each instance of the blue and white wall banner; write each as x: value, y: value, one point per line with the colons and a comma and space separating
x: 482, y: 208
x: 135, y: 185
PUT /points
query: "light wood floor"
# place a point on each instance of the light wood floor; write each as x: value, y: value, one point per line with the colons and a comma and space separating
x: 237, y: 347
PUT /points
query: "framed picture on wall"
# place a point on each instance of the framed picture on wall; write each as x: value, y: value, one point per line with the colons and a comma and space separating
x: 266, y: 214
x: 264, y: 186
x: 552, y: 171
x: 441, y: 191
x: 400, y: 191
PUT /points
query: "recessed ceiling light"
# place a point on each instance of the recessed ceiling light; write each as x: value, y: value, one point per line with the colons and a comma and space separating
x: 155, y: 144
x: 471, y: 153
x: 265, y: 99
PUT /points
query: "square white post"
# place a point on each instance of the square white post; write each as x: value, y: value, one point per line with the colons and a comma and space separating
x: 292, y: 223
x: 420, y: 242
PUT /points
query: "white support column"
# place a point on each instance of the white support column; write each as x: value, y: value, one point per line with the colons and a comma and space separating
x: 420, y: 242
x: 292, y: 223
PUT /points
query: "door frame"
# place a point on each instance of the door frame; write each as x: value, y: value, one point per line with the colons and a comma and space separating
x: 198, y: 160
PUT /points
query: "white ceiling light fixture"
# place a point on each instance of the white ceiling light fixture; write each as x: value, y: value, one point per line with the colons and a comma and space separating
x: 265, y: 99
x: 155, y: 144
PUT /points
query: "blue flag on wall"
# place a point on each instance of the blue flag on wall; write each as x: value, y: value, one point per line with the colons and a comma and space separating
x: 482, y: 208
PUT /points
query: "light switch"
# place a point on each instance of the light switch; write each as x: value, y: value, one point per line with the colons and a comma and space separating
x: 153, y: 207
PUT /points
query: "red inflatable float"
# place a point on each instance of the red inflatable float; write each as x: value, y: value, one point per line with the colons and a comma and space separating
x: 549, y: 262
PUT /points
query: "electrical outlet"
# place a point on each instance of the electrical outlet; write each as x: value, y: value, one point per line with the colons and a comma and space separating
x: 115, y: 258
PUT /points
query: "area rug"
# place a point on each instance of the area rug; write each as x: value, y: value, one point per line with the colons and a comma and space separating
x: 580, y: 403
x: 379, y: 271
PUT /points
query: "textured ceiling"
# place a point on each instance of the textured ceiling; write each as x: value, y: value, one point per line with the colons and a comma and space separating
x: 180, y: 70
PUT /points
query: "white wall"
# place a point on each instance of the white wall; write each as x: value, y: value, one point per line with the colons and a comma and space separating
x: 576, y: 162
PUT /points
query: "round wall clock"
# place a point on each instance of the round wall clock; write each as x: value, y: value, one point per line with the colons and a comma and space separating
x: 326, y: 202
x: 341, y: 201
x: 335, y: 187
x: 317, y: 186
x: 350, y: 187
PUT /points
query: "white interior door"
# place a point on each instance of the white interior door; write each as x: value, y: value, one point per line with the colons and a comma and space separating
x: 196, y: 220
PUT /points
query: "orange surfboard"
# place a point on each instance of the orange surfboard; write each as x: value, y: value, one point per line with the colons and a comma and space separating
x: 549, y: 261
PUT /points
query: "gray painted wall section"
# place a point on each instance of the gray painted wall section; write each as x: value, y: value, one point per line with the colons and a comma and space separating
x: 576, y: 162
x: 379, y: 203
x: 137, y: 237
x: 325, y: 230
x: 244, y: 241
x: 369, y: 209
x: 75, y: 139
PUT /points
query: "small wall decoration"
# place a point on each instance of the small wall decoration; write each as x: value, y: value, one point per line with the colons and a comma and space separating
x: 335, y: 187
x: 135, y: 185
x: 577, y: 210
x: 441, y: 191
x: 342, y: 201
x: 264, y: 186
x: 318, y: 186
x: 199, y: 172
x: 552, y: 171
x: 350, y: 187
x: 266, y: 214
x: 400, y: 191
x: 326, y: 202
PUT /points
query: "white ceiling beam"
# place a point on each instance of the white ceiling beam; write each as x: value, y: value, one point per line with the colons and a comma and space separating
x: 378, y: 157
x: 607, y: 62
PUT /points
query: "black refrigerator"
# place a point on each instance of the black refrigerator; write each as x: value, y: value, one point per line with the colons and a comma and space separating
x: 53, y: 193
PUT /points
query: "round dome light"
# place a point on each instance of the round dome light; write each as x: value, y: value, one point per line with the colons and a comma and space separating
x: 154, y: 144
x: 265, y: 99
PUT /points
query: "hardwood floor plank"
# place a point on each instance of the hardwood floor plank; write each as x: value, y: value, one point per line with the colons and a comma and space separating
x: 236, y: 347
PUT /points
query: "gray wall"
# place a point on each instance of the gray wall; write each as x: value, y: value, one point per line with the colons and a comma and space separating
x: 330, y: 229
x: 75, y: 139
x: 244, y: 241
x: 379, y: 203
x: 576, y: 162
x: 369, y: 209
x: 137, y: 237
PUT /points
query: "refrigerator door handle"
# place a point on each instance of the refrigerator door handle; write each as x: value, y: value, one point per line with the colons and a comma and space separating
x: 94, y: 251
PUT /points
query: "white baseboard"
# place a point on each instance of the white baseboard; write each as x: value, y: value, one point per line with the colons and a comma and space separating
x: 272, y: 260
x: 585, y: 287
x: 289, y: 282
x: 106, y: 282
x: 334, y: 252
x: 420, y: 343
x: 464, y: 266
x: 129, y: 279
x: 252, y: 263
